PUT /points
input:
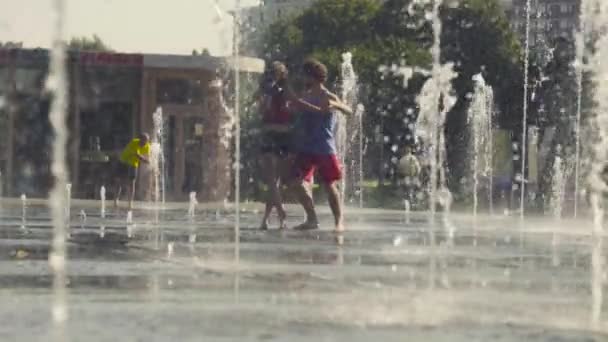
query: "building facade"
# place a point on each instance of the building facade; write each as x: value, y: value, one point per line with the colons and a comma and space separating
x: 112, y: 97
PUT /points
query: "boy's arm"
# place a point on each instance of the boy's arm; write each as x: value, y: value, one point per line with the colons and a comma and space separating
x: 336, y: 103
x: 341, y: 106
x: 324, y: 106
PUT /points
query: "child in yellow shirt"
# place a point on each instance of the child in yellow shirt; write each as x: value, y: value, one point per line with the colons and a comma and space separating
x: 138, y: 150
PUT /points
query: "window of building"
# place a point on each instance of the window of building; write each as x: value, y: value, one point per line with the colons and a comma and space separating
x: 107, y: 127
x: 108, y: 83
x: 179, y: 91
x: 5, y: 86
x: 554, y: 9
x: 29, y: 80
x: 541, y: 24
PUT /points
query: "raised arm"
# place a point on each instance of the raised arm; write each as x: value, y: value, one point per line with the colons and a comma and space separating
x: 335, y: 102
x: 323, y: 107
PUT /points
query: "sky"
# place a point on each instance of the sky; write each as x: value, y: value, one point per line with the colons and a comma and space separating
x: 148, y: 26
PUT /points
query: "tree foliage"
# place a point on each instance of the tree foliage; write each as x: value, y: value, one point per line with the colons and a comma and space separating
x: 93, y: 43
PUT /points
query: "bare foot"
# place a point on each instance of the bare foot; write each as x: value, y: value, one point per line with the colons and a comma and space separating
x: 131, y: 205
x: 264, y: 225
x: 282, y: 218
x: 340, y: 227
x: 308, y: 225
x: 282, y: 225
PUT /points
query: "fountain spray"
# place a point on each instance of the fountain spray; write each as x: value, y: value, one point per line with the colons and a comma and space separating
x: 480, y: 119
x: 525, y: 110
x: 435, y: 101
x: 57, y: 85
x: 23, y: 209
x: 596, y: 12
x: 102, y: 196
x: 237, y: 129
x: 192, y: 207
x: 158, y: 157
x: 580, y: 69
x: 349, y: 129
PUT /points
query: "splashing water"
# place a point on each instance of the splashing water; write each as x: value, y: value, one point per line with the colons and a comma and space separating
x: 435, y: 101
x: 350, y: 143
x: 237, y: 131
x: 83, y: 218
x: 102, y: 196
x: 558, y: 186
x: 158, y: 157
x: 57, y: 85
x: 525, y: 110
x: 170, y: 249
x: 348, y: 83
x: 23, y: 208
x: 480, y: 120
x: 580, y: 69
x: 129, y: 217
x: 595, y: 12
x: 192, y: 207
x: 130, y: 224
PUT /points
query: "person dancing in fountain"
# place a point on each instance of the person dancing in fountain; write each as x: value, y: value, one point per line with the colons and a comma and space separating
x: 316, y: 145
x: 276, y: 138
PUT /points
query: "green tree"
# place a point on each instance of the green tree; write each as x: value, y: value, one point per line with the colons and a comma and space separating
x: 204, y: 52
x: 88, y: 44
x: 477, y: 39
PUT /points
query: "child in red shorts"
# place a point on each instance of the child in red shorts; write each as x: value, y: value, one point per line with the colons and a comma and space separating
x: 316, y: 146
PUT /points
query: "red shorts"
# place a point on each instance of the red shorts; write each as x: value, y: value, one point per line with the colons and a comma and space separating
x: 329, y: 167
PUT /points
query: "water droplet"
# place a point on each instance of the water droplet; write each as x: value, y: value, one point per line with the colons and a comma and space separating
x: 397, y: 241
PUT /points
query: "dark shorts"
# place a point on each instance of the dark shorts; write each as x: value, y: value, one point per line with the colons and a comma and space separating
x: 124, y: 171
x: 329, y: 167
x: 276, y: 143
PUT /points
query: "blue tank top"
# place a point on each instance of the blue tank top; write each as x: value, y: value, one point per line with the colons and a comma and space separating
x: 315, y: 132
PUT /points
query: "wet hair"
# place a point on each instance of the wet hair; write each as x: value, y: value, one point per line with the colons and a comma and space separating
x: 315, y: 69
x: 144, y: 136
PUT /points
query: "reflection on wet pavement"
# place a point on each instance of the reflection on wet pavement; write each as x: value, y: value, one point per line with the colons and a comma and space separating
x: 386, y: 278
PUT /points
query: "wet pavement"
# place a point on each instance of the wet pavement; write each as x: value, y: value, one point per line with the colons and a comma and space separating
x: 389, y: 277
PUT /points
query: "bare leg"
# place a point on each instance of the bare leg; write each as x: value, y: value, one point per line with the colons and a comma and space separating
x: 132, y: 193
x: 284, y: 168
x: 305, y: 198
x: 333, y: 196
x: 270, y: 180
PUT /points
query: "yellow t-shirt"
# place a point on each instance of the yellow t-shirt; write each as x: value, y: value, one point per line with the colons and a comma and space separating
x: 130, y: 154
